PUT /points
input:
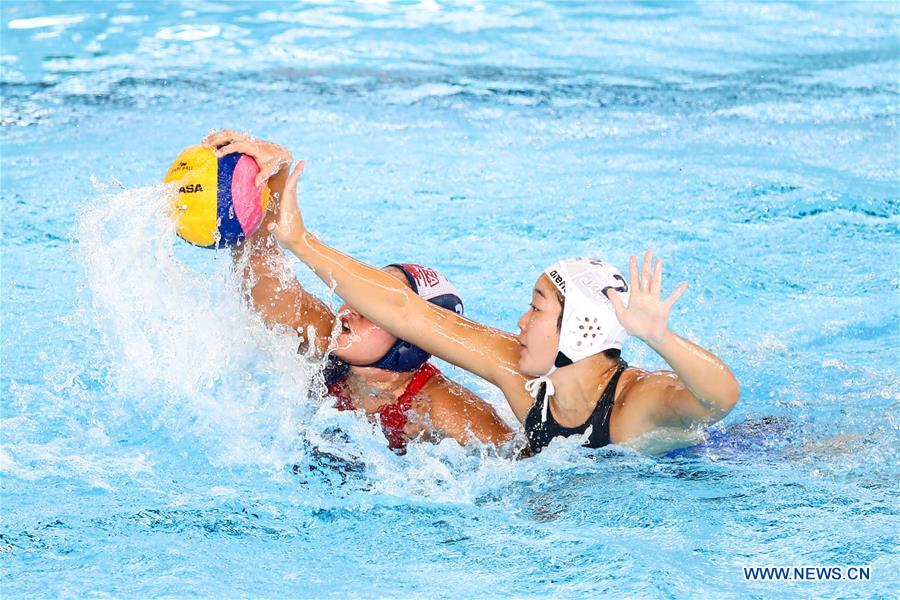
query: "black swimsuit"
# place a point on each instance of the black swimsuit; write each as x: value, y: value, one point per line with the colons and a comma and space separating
x: 541, y: 433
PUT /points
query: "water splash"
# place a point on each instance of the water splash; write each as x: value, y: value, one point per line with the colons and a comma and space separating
x: 179, y: 344
x: 181, y: 348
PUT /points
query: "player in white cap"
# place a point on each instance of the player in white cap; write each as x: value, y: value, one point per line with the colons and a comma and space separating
x: 563, y: 374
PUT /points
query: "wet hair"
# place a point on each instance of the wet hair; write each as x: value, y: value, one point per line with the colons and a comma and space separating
x: 610, y: 353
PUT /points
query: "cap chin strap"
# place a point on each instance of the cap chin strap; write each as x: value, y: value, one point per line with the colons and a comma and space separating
x: 533, y: 387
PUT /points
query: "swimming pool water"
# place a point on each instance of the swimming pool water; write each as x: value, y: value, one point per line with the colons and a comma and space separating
x: 157, y: 440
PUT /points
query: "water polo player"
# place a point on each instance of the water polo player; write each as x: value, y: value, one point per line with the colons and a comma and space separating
x: 563, y: 374
x: 369, y: 368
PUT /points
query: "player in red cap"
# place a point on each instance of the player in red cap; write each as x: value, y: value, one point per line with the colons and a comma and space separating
x: 367, y: 368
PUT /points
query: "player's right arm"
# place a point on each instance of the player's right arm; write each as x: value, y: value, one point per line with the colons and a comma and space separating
x: 268, y: 276
x: 277, y: 295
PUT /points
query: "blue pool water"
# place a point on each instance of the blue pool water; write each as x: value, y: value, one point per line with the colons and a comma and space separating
x: 158, y: 441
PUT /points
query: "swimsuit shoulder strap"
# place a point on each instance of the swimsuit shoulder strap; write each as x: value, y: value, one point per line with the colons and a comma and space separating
x: 422, y: 376
x: 393, y: 416
x: 541, y: 431
x: 600, y: 417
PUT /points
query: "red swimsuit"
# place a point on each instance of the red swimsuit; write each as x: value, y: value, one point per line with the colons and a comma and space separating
x: 392, y: 416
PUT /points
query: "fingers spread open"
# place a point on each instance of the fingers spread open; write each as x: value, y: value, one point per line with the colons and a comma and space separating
x: 633, y: 282
x: 645, y: 271
x: 656, y: 283
x: 677, y: 293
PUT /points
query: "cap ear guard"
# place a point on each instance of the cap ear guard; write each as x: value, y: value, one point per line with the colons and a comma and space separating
x: 401, y: 357
x: 434, y: 287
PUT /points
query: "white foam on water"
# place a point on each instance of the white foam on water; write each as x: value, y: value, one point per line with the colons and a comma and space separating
x: 189, y: 33
x: 59, y: 21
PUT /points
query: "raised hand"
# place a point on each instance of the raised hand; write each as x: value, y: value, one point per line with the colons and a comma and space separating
x: 647, y: 315
x: 270, y: 157
x: 288, y: 228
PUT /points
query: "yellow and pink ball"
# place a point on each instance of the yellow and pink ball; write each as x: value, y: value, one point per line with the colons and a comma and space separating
x: 217, y: 202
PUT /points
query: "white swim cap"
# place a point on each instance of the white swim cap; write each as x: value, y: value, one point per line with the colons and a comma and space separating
x: 589, y: 323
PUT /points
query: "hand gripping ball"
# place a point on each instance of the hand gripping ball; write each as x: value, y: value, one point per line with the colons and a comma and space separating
x: 217, y: 203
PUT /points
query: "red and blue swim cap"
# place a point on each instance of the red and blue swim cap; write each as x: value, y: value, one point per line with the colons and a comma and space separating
x: 434, y: 287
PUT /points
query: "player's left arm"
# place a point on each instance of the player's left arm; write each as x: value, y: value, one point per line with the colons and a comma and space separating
x: 700, y: 388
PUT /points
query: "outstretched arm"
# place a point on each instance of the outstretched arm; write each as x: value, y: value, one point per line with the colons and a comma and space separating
x: 268, y: 276
x: 702, y: 388
x: 484, y: 351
